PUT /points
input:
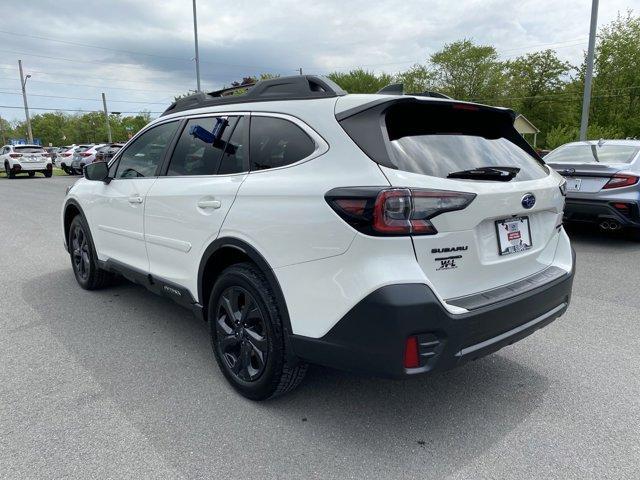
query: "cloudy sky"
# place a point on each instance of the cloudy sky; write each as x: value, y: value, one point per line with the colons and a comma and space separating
x: 140, y: 53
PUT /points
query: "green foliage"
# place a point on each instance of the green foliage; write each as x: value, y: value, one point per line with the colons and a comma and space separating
x: 361, y: 81
x: 418, y: 79
x: 60, y: 128
x: 561, y: 134
x: 467, y: 71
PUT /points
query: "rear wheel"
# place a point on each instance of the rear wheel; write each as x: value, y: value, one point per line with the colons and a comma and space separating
x: 247, y: 335
x: 32, y: 174
x: 84, y: 260
x: 8, y: 171
x: 48, y: 173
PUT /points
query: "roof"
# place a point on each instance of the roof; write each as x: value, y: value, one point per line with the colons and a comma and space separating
x: 523, y: 125
x: 628, y: 142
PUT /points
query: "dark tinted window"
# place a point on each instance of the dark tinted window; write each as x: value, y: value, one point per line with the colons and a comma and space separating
x: 28, y: 149
x: 234, y: 157
x: 142, y: 157
x: 194, y: 156
x: 276, y: 142
x: 440, y: 138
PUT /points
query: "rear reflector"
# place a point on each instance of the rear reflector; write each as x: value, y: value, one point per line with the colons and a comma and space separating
x: 621, y: 180
x: 411, y: 354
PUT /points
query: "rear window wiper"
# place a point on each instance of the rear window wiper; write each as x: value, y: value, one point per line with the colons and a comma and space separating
x: 499, y: 174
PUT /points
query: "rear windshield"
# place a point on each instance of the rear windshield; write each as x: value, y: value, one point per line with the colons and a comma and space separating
x: 81, y: 149
x: 593, y: 154
x: 438, y: 139
x: 29, y: 149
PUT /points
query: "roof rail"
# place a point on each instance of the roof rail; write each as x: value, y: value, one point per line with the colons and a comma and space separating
x: 298, y: 87
x: 398, y: 89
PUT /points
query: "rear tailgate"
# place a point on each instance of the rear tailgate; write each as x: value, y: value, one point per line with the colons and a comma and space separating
x: 464, y: 257
x: 587, y: 178
x: 421, y: 144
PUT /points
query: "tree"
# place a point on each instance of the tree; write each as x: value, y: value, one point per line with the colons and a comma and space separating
x: 466, y: 71
x: 361, y: 81
x: 616, y: 84
x: 418, y: 79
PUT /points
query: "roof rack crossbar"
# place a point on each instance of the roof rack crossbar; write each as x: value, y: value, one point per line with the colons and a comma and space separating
x: 298, y: 87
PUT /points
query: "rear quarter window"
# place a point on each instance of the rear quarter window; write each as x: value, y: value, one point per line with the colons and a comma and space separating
x: 276, y: 142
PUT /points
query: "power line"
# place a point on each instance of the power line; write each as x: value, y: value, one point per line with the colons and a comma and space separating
x: 95, y: 86
x: 70, y: 109
x: 84, y: 98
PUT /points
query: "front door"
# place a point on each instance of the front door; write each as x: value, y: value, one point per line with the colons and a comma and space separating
x: 118, y: 207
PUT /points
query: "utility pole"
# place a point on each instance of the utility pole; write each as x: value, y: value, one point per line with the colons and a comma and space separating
x: 23, y: 82
x: 106, y: 116
x: 588, y: 77
x: 195, y: 35
x: 4, y: 142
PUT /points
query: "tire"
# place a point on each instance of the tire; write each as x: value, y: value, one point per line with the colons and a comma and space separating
x: 32, y: 174
x: 48, y: 173
x: 250, y: 350
x: 84, y: 260
x: 8, y: 171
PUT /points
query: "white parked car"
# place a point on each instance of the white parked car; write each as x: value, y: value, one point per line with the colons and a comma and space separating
x: 388, y: 234
x: 84, y: 156
x: 65, y: 158
x: 29, y: 159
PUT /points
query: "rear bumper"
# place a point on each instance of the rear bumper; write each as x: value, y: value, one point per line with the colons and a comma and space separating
x: 371, y: 337
x: 595, y: 211
x: 30, y: 167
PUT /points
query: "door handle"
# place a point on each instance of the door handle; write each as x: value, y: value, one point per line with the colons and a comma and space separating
x: 209, y: 203
x: 135, y: 199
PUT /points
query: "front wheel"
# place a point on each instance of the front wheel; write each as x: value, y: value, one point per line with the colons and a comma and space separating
x: 84, y: 260
x: 248, y: 336
x: 8, y: 171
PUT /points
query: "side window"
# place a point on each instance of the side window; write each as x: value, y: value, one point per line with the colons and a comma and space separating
x: 142, y: 157
x: 235, y: 153
x: 276, y: 142
x: 193, y: 155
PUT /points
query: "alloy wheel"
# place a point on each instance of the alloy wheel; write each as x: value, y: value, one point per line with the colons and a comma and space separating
x: 241, y: 334
x: 80, y: 252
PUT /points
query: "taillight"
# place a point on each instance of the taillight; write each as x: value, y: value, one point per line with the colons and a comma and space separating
x: 15, y: 155
x: 85, y: 154
x: 45, y: 154
x: 66, y: 154
x: 394, y: 211
x: 621, y: 180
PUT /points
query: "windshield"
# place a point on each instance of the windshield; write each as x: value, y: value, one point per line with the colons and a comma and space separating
x: 593, y: 154
x: 29, y: 149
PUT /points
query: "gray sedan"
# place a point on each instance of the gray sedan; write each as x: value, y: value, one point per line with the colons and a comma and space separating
x: 602, y: 182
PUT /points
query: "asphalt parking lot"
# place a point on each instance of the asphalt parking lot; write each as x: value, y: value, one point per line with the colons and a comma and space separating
x: 122, y: 384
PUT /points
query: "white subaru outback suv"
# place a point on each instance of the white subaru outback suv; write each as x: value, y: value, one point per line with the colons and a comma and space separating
x: 385, y: 234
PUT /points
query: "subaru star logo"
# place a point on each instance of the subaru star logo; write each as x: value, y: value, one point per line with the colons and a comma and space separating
x: 528, y: 201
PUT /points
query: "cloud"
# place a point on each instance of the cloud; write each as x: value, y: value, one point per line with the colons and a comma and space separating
x: 146, y: 46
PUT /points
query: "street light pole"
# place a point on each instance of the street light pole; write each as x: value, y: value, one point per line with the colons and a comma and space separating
x: 588, y: 77
x: 195, y: 35
x: 106, y: 116
x: 23, y: 82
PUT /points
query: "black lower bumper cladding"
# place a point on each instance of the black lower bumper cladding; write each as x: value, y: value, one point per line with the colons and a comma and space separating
x: 371, y: 337
x: 595, y: 211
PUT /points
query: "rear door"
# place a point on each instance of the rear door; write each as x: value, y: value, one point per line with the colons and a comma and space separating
x: 510, y: 230
x: 187, y: 205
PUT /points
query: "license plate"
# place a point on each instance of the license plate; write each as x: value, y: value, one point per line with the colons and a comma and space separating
x: 514, y: 235
x: 573, y: 184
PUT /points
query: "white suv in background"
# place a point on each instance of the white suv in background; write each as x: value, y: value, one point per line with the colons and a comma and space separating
x: 28, y: 159
x: 387, y: 234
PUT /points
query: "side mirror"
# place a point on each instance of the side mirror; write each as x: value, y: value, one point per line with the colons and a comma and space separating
x: 97, y: 172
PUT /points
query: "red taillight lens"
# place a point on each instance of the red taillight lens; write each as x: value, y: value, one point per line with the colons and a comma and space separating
x: 394, y: 211
x: 66, y: 154
x: 15, y: 155
x: 621, y: 180
x: 411, y: 353
x: 85, y: 154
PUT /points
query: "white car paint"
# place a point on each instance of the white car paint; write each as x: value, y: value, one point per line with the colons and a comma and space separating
x: 323, y: 265
x: 28, y: 157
